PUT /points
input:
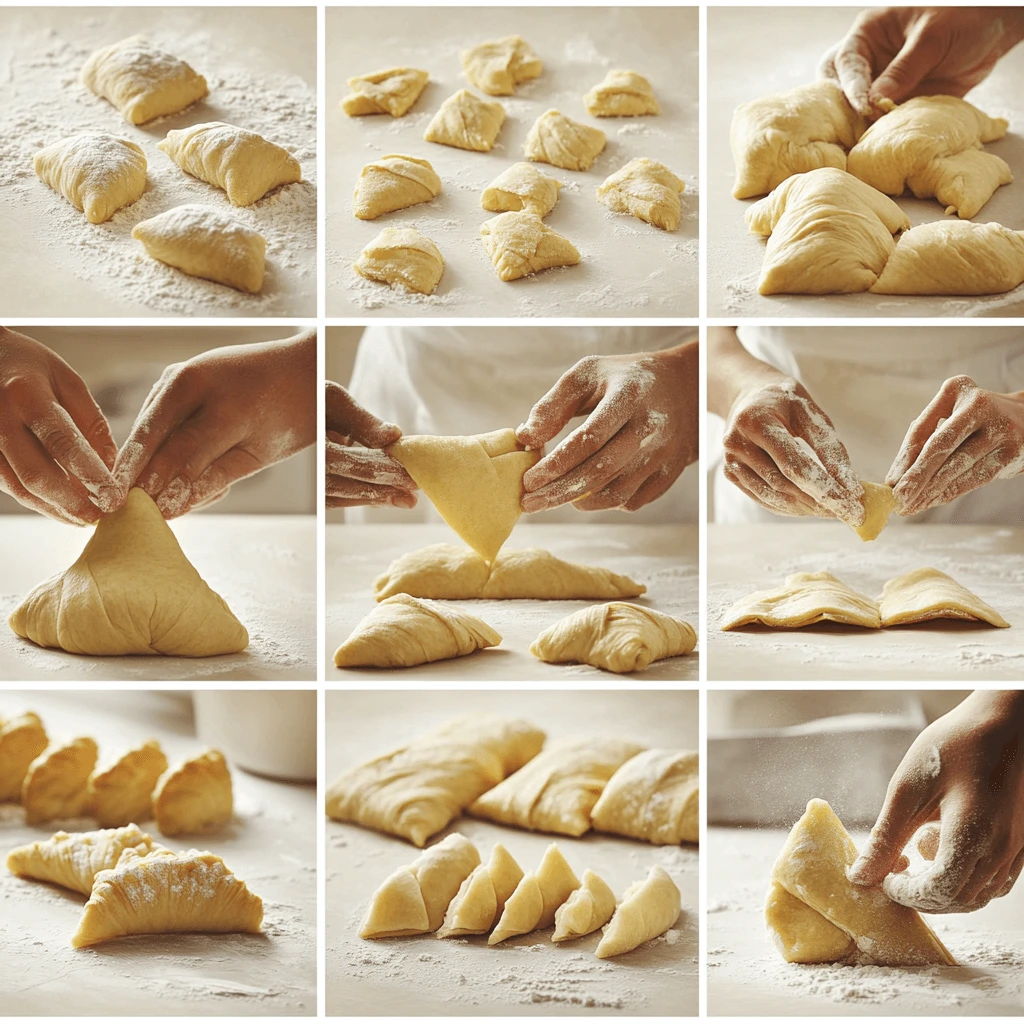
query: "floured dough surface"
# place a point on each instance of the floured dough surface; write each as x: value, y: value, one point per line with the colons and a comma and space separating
x: 561, y: 141
x: 879, y: 504
x: 402, y: 258
x: 804, y: 599
x: 621, y: 93
x: 521, y: 244
x: 645, y: 189
x: 926, y: 594
x: 496, y: 68
x: 394, y: 182
x: 466, y: 122
x: 522, y: 187
x: 391, y: 91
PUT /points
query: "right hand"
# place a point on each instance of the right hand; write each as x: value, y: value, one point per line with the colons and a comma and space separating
x: 364, y: 475
x: 782, y: 451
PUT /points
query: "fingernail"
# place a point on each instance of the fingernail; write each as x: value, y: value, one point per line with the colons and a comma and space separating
x: 109, y: 498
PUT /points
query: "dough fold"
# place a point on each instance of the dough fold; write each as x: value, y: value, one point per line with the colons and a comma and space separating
x: 621, y: 93
x: 466, y: 122
x: 404, y: 258
x: 122, y: 792
x: 926, y: 594
x: 561, y: 141
x: 194, y: 797
x: 587, y: 909
x: 496, y: 68
x: 804, y: 599
x: 481, y: 898
x: 646, y: 190
x: 521, y: 244
x: 394, y: 182
x: 56, y: 784
x: 537, y: 897
x: 879, y: 504
x: 521, y: 187
x: 391, y: 91
x: 648, y: 909
x: 22, y: 740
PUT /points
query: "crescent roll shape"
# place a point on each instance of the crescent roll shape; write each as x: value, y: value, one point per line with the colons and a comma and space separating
x: 586, y: 910
x: 537, y: 897
x: 481, y: 898
x: 521, y: 187
x: 194, y: 797
x: 22, y: 740
x: 648, y: 909
x: 56, y: 785
x: 123, y: 792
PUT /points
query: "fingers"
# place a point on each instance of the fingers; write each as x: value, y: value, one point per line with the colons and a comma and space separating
x: 10, y: 483
x: 756, y: 487
x: 853, y: 71
x: 951, y: 482
x: 344, y: 492
x: 939, y: 408
x: 367, y: 464
x: 184, y: 493
x: 928, y: 842
x: 88, y: 417
x: 814, y: 426
x: 921, y: 53
x: 343, y: 414
x: 566, y: 399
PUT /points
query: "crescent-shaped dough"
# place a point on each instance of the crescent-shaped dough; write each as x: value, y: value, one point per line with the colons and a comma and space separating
x: 22, y: 740
x: 194, y: 797
x: 926, y: 594
x: 520, y: 244
x: 644, y: 189
x: 621, y: 93
x: 804, y: 599
x: 496, y: 68
x: 466, y: 122
x: 559, y: 140
x: 536, y: 898
x: 394, y: 182
x: 403, y: 258
x: 586, y: 910
x: 481, y: 898
x: 123, y: 792
x: 521, y: 187
x: 56, y: 784
x: 391, y: 91
x: 648, y: 909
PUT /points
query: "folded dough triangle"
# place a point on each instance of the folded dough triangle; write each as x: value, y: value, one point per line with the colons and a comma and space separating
x: 648, y: 909
x: 536, y: 898
x: 22, y: 740
x: 57, y: 782
x: 804, y: 599
x: 586, y: 910
x: 481, y: 898
x: 194, y: 797
x: 123, y: 792
x: 132, y: 591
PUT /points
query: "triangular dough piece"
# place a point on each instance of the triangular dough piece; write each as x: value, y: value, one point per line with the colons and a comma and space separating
x: 879, y: 504
x: 194, y: 797
x: 646, y: 190
x: 394, y: 182
x: 801, y: 934
x: 122, y: 792
x: 22, y: 740
x: 520, y: 244
x: 466, y: 122
x: 475, y: 482
x: 804, y: 599
x: 648, y: 909
x: 621, y: 93
x: 561, y: 141
x: 57, y: 783
x: 392, y: 91
x: 537, y: 897
x: 926, y: 594
x: 812, y: 867
x: 496, y: 68
x: 73, y: 860
x: 403, y: 258
x: 481, y: 898
x: 586, y: 910
x: 132, y: 591
x: 165, y: 892
x: 522, y: 187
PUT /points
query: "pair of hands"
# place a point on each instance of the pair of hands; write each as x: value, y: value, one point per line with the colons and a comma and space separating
x: 641, y: 432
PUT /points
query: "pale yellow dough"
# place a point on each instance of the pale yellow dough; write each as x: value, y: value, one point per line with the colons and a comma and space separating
x: 521, y: 244
x: 122, y: 792
x: 621, y: 93
x: 561, y: 141
x: 466, y: 122
x: 617, y: 637
x: 537, y: 897
x: 132, y: 591
x: 194, y: 797
x: 521, y: 187
x: 56, y: 784
x: 496, y: 68
x: 879, y: 504
x: 804, y: 599
x: 481, y: 898
x: 394, y: 182
x: 415, y: 791
x: 648, y: 909
x: 646, y: 190
x: 404, y: 258
x: 95, y: 172
x: 587, y: 909
x: 391, y: 91
x: 22, y: 740
x: 926, y: 594
x: 826, y: 907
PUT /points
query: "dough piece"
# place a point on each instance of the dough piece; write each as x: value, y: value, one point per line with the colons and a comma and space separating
x: 205, y: 242
x: 417, y: 790
x: 244, y: 164
x: 163, y: 892
x: 73, y: 860
x: 586, y: 910
x: 804, y: 599
x: 392, y: 91
x: 56, y: 784
x: 559, y: 140
x: 536, y: 898
x: 497, y: 68
x: 879, y: 504
x: 132, y: 591
x: 141, y: 80
x: 951, y: 257
x: 394, y: 182
x: 123, y: 792
x: 828, y: 233
x: 194, y: 797
x: 520, y: 244
x: 466, y: 122
x: 481, y: 898
x: 557, y: 790
x: 621, y: 93
x: 475, y: 482
x: 522, y: 187
x: 648, y: 909
x: 801, y: 934
x: 618, y: 637
x: 402, y: 257
x: 645, y: 189
x: 449, y: 573
x: 812, y: 868
x: 414, y: 899
x: 95, y: 172
x: 926, y: 594
x: 655, y: 797
x: 792, y: 132
x: 22, y: 740
x: 932, y: 145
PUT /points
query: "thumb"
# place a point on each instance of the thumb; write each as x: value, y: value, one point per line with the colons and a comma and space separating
x: 896, y: 824
x: 919, y: 56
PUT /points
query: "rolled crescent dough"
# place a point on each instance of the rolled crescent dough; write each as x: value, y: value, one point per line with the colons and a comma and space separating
x: 481, y: 898
x: 648, y: 909
x: 22, y: 740
x: 537, y: 897
x: 926, y: 594
x: 587, y: 909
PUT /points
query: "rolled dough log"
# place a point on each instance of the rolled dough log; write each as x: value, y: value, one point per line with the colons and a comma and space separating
x: 804, y: 599
x: 926, y: 594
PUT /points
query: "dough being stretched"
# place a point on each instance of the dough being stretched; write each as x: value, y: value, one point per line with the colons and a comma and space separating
x: 415, y: 791
x: 22, y: 740
x: 95, y: 172
x: 403, y: 258
x: 522, y: 187
x: 466, y: 122
x: 392, y: 91
x: 792, y: 132
x: 73, y: 860
x: 621, y: 93
x: 394, y: 182
x: 932, y: 145
x: 142, y: 81
x: 194, y: 797
x: 827, y: 232
x: 122, y: 792
x: 449, y: 573
x: 413, y: 900
x: 481, y: 898
x: 132, y: 591
x: 618, y: 637
x: 536, y: 898
x: 520, y: 244
x: 825, y: 906
x: 559, y: 140
x: 926, y: 594
x: 496, y: 68
x: 57, y: 781
x: 203, y: 241
x: 645, y: 189
x: 557, y: 790
x: 655, y: 797
x: 587, y: 909
x: 404, y: 631
x: 648, y: 909
x: 244, y: 164
x: 162, y: 892
x: 804, y: 599
x: 879, y: 504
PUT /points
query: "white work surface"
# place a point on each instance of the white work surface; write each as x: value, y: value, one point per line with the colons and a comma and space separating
x: 271, y: 845
x: 263, y: 566
x: 748, y: 977
x: 757, y: 51
x: 260, y: 65
x: 662, y: 557
x: 988, y: 560
x: 527, y: 975
x: 627, y: 268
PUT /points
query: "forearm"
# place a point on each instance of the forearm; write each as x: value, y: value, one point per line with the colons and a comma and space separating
x: 732, y: 370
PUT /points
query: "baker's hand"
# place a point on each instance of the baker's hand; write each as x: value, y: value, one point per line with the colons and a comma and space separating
x: 782, y: 450
x: 641, y: 432
x: 219, y: 417
x: 364, y: 475
x: 965, y: 438
x: 894, y: 53
x: 56, y: 452
x: 965, y: 771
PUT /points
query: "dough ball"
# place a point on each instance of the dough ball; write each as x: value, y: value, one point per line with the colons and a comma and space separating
x: 402, y: 258
x: 621, y: 93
